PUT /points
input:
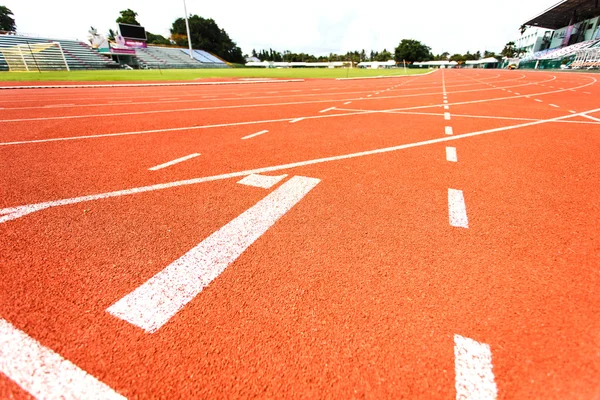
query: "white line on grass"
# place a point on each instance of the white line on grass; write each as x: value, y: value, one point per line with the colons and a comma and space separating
x: 457, y: 210
x: 43, y: 373
x: 451, y: 154
x: 12, y: 213
x: 173, y: 162
x: 254, y: 134
x: 474, y: 378
x: 151, y: 305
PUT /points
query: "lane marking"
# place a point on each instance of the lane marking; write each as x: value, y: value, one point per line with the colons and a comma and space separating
x: 457, y: 211
x: 554, y: 105
x: 517, y: 93
x: 590, y: 117
x: 445, y: 101
x: 327, y: 109
x: 254, y: 134
x: 447, y: 116
x: 572, y: 112
x: 275, y: 105
x: 448, y: 130
x: 261, y: 181
x: 173, y: 162
x: 43, y: 373
x: 297, y: 120
x: 538, y: 100
x: 348, y: 102
x: 151, y: 305
x: 451, y: 154
x: 446, y: 107
x: 473, y: 370
x: 58, y: 105
x: 12, y: 213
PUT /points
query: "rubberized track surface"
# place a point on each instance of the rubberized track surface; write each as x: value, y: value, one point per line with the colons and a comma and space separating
x: 410, y: 250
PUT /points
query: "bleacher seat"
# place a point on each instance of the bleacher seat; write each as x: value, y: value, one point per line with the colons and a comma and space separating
x: 79, y: 55
x: 561, y: 52
x: 154, y: 57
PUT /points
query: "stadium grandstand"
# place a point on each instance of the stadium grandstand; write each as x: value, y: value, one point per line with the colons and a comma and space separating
x: 33, y: 54
x: 25, y: 53
x: 575, y: 38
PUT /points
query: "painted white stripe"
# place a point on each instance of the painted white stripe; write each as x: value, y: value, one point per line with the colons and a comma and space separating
x: 445, y: 101
x: 446, y: 107
x: 587, y: 93
x: 572, y: 112
x: 58, y: 105
x: 473, y: 370
x: 43, y: 373
x: 451, y: 154
x: 538, y: 100
x: 176, y: 161
x: 517, y: 93
x: 327, y: 109
x: 554, y: 105
x: 296, y: 120
x: 348, y: 102
x: 254, y: 134
x: 590, y: 117
x: 447, y: 116
x: 12, y: 213
x: 457, y: 210
x: 151, y: 305
x: 261, y: 181
x: 448, y: 130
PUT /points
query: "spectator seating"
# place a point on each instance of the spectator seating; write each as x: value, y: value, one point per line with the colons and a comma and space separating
x: 172, y: 57
x: 78, y: 54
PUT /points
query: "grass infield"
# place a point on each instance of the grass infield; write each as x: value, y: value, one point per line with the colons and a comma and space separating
x: 194, y: 74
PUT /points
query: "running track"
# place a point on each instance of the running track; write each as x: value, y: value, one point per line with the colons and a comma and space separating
x: 432, y: 236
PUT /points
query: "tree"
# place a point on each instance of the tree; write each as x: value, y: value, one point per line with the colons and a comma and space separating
x: 7, y: 22
x: 207, y: 35
x: 157, y: 39
x: 128, y: 17
x: 412, y: 51
x: 509, y: 50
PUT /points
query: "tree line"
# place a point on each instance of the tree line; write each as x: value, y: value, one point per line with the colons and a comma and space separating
x: 205, y: 33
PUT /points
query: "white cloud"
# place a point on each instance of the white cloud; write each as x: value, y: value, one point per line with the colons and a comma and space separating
x: 312, y: 26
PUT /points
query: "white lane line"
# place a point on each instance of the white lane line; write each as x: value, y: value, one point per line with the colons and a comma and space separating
x: 572, y: 112
x: 254, y: 134
x: 587, y: 93
x: 445, y: 101
x: 457, y: 211
x: 446, y: 107
x: 43, y: 373
x: 169, y: 99
x: 327, y: 109
x: 451, y: 154
x: 12, y: 213
x: 348, y: 102
x: 517, y: 93
x: 448, y: 130
x: 590, y: 117
x: 554, y: 105
x: 474, y: 378
x: 261, y: 181
x: 269, y: 105
x: 447, y: 116
x: 296, y: 120
x: 151, y: 305
x: 538, y: 100
x: 369, y: 95
x: 176, y: 161
x: 58, y: 105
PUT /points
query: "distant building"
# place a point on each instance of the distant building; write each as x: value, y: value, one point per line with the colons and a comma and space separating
x: 534, y: 39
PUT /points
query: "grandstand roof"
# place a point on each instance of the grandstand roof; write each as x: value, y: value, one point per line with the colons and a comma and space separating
x: 559, y: 15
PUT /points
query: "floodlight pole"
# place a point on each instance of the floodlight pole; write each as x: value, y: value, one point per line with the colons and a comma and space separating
x: 187, y: 26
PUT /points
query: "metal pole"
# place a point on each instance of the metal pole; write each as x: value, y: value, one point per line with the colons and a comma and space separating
x: 187, y: 26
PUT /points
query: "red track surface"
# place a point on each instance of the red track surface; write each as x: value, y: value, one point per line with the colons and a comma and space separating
x: 359, y: 289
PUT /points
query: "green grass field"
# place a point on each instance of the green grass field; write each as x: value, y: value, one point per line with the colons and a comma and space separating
x: 193, y: 74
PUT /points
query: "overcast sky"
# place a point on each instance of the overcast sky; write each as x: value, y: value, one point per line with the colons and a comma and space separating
x: 312, y: 26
